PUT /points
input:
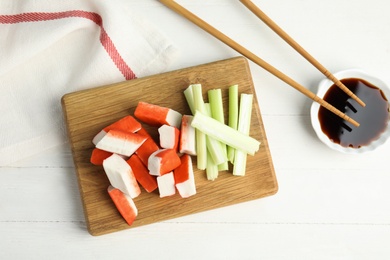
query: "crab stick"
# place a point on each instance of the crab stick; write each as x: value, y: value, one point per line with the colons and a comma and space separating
x: 169, y: 137
x: 147, y: 148
x: 121, y: 175
x: 120, y: 142
x: 154, y: 115
x: 124, y: 203
x: 166, y: 185
x: 184, y: 177
x: 187, y: 136
x: 125, y: 124
x: 163, y: 161
x: 141, y: 173
x: 98, y: 156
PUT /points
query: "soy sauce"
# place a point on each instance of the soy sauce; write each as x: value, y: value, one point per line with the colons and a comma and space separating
x: 373, y: 118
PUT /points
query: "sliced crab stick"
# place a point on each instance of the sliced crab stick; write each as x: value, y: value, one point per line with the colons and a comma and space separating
x: 187, y: 136
x: 124, y: 203
x: 156, y: 115
x: 98, y: 156
x: 166, y: 185
x: 121, y: 175
x: 141, y: 173
x: 125, y: 124
x: 184, y: 177
x: 98, y: 137
x: 169, y: 137
x: 121, y: 142
x: 147, y: 148
x: 163, y: 161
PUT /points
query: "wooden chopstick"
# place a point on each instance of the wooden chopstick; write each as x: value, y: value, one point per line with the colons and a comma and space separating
x: 260, y: 14
x: 234, y: 45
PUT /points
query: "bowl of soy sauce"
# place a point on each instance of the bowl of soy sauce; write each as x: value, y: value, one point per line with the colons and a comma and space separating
x: 340, y: 135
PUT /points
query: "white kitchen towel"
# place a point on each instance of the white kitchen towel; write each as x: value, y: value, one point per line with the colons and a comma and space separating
x: 50, y: 47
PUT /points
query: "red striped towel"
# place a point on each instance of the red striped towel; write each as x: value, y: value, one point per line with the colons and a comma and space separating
x: 49, y: 48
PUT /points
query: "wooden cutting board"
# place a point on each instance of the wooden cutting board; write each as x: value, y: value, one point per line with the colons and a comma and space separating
x: 88, y: 111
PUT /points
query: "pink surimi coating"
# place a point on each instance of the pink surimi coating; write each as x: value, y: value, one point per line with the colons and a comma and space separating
x: 141, y: 173
x: 187, y: 136
x: 169, y: 137
x: 147, y: 148
x: 166, y: 185
x: 121, y: 176
x: 157, y: 115
x: 184, y: 177
x: 125, y: 124
x: 124, y: 203
x: 121, y: 142
x: 98, y: 156
x: 163, y: 161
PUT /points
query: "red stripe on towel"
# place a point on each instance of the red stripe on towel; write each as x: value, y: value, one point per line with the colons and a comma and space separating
x: 105, y: 39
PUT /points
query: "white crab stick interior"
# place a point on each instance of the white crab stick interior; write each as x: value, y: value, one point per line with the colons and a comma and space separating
x: 187, y: 188
x: 168, y: 136
x: 166, y: 185
x: 99, y: 137
x: 154, y: 163
x: 120, y: 142
x: 185, y: 183
x: 187, y: 136
x: 173, y: 118
x: 121, y: 176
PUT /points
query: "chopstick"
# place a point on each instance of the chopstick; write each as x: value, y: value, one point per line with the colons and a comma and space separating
x: 237, y: 47
x: 260, y: 14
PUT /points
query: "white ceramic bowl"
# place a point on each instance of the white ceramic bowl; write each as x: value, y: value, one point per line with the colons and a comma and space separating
x: 323, y: 87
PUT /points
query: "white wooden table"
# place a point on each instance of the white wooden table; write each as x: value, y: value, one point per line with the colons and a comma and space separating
x: 329, y: 205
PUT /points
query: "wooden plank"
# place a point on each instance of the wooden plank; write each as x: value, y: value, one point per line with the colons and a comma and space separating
x: 87, y: 112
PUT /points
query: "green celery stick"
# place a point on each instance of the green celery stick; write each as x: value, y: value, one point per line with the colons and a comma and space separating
x: 225, y: 134
x: 214, y: 147
x: 216, y: 107
x: 211, y: 168
x: 244, y: 124
x: 201, y: 148
x: 233, y: 116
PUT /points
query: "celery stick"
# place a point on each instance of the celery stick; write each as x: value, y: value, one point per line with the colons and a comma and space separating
x: 233, y: 116
x: 216, y: 107
x: 244, y: 124
x: 225, y: 134
x: 216, y: 104
x: 189, y: 95
x: 233, y: 106
x: 201, y: 148
x: 239, y: 165
x: 214, y: 147
x: 198, y: 97
x: 211, y: 168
